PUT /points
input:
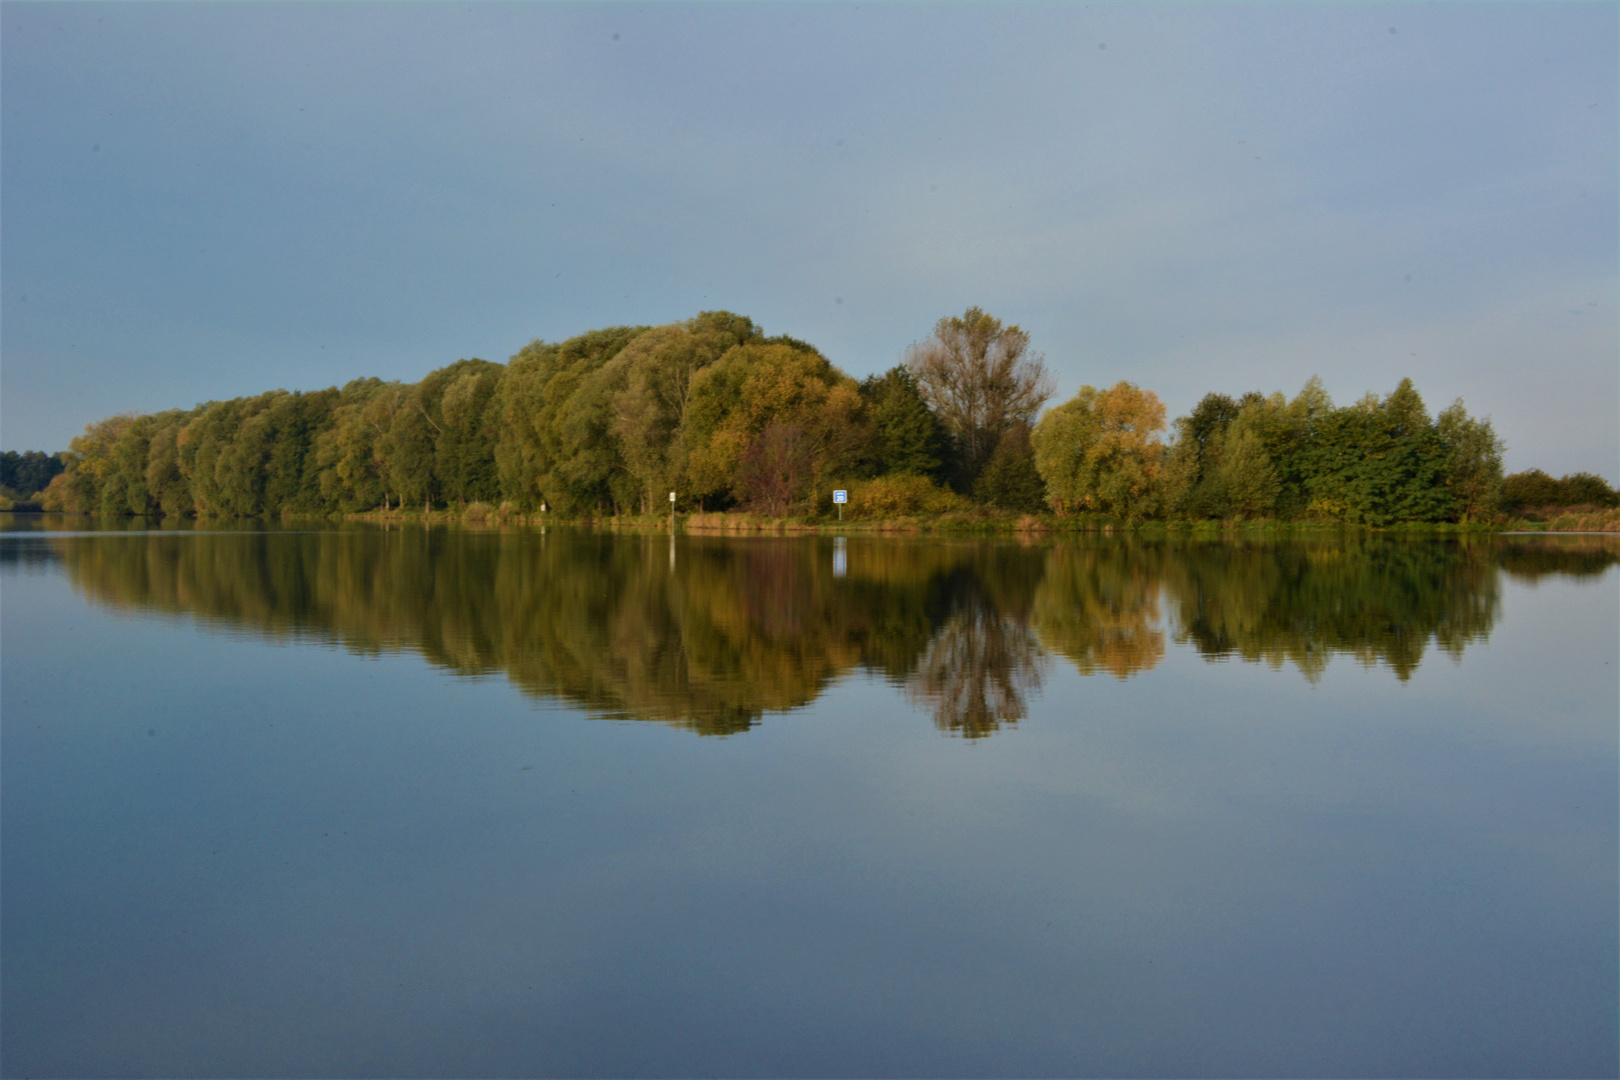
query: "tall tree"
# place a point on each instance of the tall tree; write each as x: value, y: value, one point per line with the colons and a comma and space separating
x: 352, y: 452
x: 1473, y: 465
x: 1245, y: 476
x: 91, y: 478
x: 981, y: 378
x: 464, y: 447
x: 661, y: 370
x: 538, y: 455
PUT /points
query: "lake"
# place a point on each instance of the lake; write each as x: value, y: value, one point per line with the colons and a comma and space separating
x: 357, y: 801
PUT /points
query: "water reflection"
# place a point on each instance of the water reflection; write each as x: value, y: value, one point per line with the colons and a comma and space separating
x: 711, y: 633
x: 982, y: 662
x: 1378, y: 600
x: 1098, y: 606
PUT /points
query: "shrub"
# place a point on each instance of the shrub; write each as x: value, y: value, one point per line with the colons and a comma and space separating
x: 901, y: 495
x: 1535, y: 488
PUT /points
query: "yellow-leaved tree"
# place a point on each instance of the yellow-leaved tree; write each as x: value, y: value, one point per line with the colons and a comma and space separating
x: 767, y: 423
x: 1102, y: 451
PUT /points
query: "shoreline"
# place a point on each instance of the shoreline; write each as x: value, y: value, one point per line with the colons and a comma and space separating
x: 949, y: 524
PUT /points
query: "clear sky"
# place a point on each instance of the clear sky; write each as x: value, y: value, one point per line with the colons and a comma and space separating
x: 200, y: 201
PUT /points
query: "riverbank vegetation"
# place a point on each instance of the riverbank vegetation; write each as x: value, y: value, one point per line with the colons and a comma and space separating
x: 606, y: 424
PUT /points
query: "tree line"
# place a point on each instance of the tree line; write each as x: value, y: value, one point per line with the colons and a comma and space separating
x: 712, y: 408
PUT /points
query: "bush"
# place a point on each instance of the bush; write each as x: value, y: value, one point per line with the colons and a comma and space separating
x: 901, y: 495
x: 1535, y: 488
x: 1585, y: 489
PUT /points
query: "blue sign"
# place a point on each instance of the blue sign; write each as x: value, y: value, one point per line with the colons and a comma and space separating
x: 840, y: 496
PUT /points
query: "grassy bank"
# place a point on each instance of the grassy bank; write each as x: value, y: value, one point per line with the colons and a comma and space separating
x: 1568, y: 519
x: 977, y: 522
x: 985, y: 522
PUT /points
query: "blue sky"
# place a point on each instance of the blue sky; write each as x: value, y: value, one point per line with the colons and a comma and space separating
x: 199, y: 201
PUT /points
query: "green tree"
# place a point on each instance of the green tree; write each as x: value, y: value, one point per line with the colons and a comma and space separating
x: 352, y: 453
x: 1010, y: 480
x: 30, y: 472
x: 1244, y: 475
x: 1587, y: 489
x: 906, y: 435
x: 1530, y: 488
x: 752, y: 386
x: 1101, y: 451
x: 123, y: 487
x: 1379, y: 462
x: 91, y: 465
x: 168, y: 489
x: 1473, y: 462
x: 661, y: 370
x: 464, y: 444
x: 536, y: 457
x: 292, y: 464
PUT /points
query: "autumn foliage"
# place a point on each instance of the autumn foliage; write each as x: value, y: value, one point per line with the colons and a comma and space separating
x: 608, y: 423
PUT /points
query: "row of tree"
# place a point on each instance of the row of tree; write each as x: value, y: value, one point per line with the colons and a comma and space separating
x: 712, y: 408
x: 1534, y: 490
x: 1376, y: 462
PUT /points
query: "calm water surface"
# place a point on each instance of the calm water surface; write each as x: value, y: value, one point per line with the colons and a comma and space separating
x: 444, y: 802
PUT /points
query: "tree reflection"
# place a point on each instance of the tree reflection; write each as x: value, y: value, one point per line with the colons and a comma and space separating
x: 1531, y: 558
x: 982, y: 665
x: 1378, y: 599
x: 724, y: 630
x: 1098, y: 606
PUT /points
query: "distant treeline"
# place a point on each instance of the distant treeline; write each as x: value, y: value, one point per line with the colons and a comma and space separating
x: 28, y: 473
x: 1533, y: 490
x: 609, y: 422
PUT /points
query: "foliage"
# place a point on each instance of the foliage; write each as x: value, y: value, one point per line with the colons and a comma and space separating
x: 811, y: 408
x: 1101, y: 451
x: 1242, y: 457
x: 1473, y: 466
x: 1588, y: 489
x: 1535, y: 489
x: 711, y: 408
x: 1010, y: 479
x: 30, y: 472
x: 1379, y: 462
x: 907, y: 437
x: 898, y: 495
x: 1376, y: 462
x: 537, y: 457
